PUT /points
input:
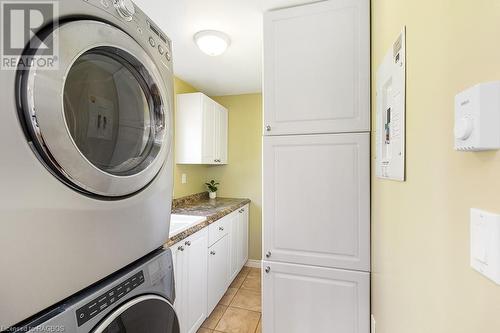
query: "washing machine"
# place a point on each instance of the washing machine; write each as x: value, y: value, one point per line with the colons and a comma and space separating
x: 137, y: 299
x: 86, y: 149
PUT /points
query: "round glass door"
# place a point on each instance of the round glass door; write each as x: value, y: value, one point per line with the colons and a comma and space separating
x: 149, y: 313
x: 100, y: 120
x: 110, y: 112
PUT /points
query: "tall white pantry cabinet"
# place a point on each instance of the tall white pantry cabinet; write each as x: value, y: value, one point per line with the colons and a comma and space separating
x: 316, y: 168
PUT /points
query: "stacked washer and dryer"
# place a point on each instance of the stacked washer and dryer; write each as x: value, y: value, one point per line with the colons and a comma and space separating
x: 86, y: 176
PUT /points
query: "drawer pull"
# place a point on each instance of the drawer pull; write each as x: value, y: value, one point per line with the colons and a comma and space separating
x: 212, y: 253
x: 268, y: 269
x: 221, y: 228
x: 188, y: 243
x: 180, y: 248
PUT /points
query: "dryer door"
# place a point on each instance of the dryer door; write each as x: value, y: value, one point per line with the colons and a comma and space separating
x: 100, y: 121
x: 148, y: 313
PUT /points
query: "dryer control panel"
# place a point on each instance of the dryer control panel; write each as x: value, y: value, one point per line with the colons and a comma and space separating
x: 106, y: 299
x: 128, y: 14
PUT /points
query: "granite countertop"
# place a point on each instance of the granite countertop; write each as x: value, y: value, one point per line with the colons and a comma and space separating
x: 201, y: 205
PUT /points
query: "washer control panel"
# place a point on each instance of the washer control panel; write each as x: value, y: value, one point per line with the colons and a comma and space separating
x: 108, y: 298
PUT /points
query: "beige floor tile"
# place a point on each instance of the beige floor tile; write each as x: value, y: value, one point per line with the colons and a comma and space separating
x: 252, y: 283
x: 238, y: 280
x: 245, y: 269
x: 248, y: 300
x: 254, y: 272
x: 259, y: 327
x: 214, y: 317
x: 228, y: 296
x: 238, y: 321
x: 204, y: 330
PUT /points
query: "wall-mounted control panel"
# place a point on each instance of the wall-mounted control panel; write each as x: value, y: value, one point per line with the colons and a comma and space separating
x: 477, y: 118
x: 391, y: 97
x: 485, y: 243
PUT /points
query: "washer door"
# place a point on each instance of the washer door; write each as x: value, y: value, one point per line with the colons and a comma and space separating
x: 98, y: 121
x: 148, y: 313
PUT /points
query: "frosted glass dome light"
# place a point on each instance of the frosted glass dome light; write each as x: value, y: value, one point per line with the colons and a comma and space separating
x: 212, y: 42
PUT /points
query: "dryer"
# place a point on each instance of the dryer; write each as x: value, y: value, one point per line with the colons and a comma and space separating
x: 86, y: 168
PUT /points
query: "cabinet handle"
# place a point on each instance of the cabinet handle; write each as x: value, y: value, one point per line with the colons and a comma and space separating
x: 188, y: 243
x: 221, y: 228
x: 268, y: 128
x: 212, y: 253
x: 241, y: 211
x: 180, y: 248
x: 268, y: 254
x: 268, y: 269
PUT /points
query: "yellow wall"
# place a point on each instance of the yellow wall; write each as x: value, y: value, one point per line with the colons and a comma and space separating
x: 422, y: 282
x: 196, y: 174
x: 242, y: 176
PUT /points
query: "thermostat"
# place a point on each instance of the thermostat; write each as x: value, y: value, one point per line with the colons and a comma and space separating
x: 477, y: 118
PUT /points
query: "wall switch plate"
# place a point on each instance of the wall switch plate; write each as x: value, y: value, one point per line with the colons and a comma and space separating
x: 477, y: 118
x: 485, y: 243
x: 184, y: 179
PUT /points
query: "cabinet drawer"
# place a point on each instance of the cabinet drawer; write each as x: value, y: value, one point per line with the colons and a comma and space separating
x: 218, y: 229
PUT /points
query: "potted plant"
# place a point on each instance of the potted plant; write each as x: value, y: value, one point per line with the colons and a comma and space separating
x: 212, y: 189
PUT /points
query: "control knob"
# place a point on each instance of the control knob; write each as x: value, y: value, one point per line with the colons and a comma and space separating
x: 125, y: 8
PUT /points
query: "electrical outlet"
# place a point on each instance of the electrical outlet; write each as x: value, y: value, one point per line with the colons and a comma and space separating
x: 373, y: 324
x: 184, y: 178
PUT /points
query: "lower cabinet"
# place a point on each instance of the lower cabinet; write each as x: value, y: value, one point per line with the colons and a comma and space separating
x: 205, y: 264
x: 242, y: 252
x: 218, y: 271
x: 190, y: 269
x: 299, y: 299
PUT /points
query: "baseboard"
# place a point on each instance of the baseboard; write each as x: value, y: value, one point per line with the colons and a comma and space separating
x: 253, y: 263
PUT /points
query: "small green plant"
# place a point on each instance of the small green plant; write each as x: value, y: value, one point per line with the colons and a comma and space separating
x: 212, y: 186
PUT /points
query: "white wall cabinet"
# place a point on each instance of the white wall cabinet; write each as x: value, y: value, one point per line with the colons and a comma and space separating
x: 218, y: 271
x: 190, y: 269
x: 201, y: 130
x: 317, y: 68
x: 317, y: 200
x: 299, y: 299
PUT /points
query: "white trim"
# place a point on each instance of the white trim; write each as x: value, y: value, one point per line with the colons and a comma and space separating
x: 254, y: 263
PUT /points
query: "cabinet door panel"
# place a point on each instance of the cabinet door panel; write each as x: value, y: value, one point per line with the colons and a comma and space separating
x: 195, y: 280
x: 209, y: 134
x: 218, y: 271
x: 233, y: 219
x: 299, y: 299
x: 316, y: 68
x: 223, y: 135
x: 317, y: 196
x: 243, y: 235
x: 180, y: 299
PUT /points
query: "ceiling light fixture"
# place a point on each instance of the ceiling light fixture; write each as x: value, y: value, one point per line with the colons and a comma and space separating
x: 212, y: 42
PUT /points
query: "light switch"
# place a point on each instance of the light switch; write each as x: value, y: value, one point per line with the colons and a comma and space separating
x: 184, y: 178
x: 485, y: 243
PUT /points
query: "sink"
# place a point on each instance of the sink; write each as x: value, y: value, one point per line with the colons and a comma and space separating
x: 179, y: 223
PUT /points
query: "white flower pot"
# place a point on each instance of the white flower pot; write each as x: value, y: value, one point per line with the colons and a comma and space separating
x: 212, y: 195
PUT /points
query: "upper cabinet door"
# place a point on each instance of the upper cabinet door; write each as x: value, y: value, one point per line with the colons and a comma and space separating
x: 317, y: 200
x: 209, y: 131
x: 223, y: 133
x: 316, y: 68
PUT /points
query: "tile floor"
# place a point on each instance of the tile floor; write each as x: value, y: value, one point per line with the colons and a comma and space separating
x: 239, y: 311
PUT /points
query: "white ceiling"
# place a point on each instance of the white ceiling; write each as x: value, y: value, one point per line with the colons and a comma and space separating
x: 239, y: 70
